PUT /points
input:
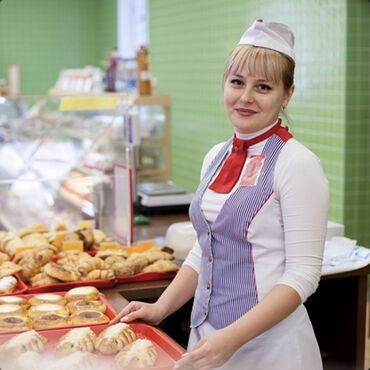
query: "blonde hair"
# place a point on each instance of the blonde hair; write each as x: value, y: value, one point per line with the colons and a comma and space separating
x: 261, y: 62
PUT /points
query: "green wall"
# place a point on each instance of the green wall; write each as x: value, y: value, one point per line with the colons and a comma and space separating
x: 45, y: 36
x: 189, y: 43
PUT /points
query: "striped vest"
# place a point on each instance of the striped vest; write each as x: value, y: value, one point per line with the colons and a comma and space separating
x: 226, y: 285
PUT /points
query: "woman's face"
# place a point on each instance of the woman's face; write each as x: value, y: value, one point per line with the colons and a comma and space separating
x: 253, y: 103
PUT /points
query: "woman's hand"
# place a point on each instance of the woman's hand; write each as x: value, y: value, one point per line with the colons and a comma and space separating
x: 211, y: 351
x: 151, y: 313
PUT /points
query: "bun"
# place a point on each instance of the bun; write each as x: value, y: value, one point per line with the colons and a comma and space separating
x: 50, y: 320
x: 47, y: 308
x: 8, y: 284
x: 114, y: 338
x: 11, y: 299
x: 83, y: 305
x: 46, y: 298
x: 60, y: 272
x: 15, y: 323
x: 88, y: 317
x: 11, y: 309
x: 87, y: 293
x: 27, y: 341
x: 137, y: 355
x: 79, y: 339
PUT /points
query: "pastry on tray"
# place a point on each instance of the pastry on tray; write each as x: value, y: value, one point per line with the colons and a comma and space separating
x: 82, y: 293
x: 79, y: 339
x: 47, y: 308
x: 60, y: 272
x: 161, y: 266
x: 137, y: 355
x: 114, y: 338
x: 50, y: 320
x: 38, y: 299
x: 12, y: 299
x: 82, y: 305
x: 11, y: 309
x: 15, y: 323
x: 8, y: 268
x: 89, y: 317
x: 27, y: 341
x: 8, y: 284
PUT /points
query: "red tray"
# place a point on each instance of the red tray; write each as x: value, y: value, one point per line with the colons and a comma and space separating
x: 168, y: 350
x: 21, y: 287
x: 110, y: 312
x: 59, y: 287
x: 147, y: 276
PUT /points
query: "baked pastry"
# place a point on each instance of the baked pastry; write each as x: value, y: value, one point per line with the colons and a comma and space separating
x: 83, y: 305
x: 86, y: 265
x: 3, y: 257
x: 50, y: 320
x: 155, y: 254
x: 8, y: 284
x: 42, y: 279
x: 137, y: 355
x: 114, y: 338
x: 15, y: 323
x: 46, y: 308
x: 47, y: 298
x: 8, y: 268
x: 100, y: 275
x: 79, y: 339
x: 161, y: 266
x: 82, y: 293
x: 11, y: 309
x: 27, y: 341
x: 75, y: 361
x: 12, y: 299
x: 89, y: 317
x: 60, y: 272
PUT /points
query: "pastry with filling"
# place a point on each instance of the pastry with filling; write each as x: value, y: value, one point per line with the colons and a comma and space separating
x: 137, y: 355
x: 8, y: 284
x: 79, y: 339
x: 15, y: 323
x: 12, y: 299
x: 87, y: 293
x: 83, y: 305
x: 27, y: 341
x: 45, y: 308
x: 11, y: 309
x: 50, y: 320
x: 46, y: 298
x: 114, y: 338
x: 88, y: 317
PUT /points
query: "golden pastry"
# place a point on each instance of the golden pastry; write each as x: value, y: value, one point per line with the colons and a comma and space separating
x: 114, y: 338
x: 42, y: 279
x: 15, y: 323
x: 137, y: 355
x: 27, y: 341
x: 8, y: 268
x: 79, y: 339
x: 161, y: 266
x: 83, y: 305
x: 12, y: 299
x: 155, y: 254
x: 47, y: 298
x: 100, y: 275
x: 61, y: 272
x: 50, y: 320
x: 82, y: 293
x: 3, y: 257
x: 8, y: 284
x: 11, y: 309
x: 88, y: 316
x: 42, y: 309
x: 86, y: 265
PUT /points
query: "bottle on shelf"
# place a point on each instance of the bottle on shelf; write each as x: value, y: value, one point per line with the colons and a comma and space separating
x: 144, y: 84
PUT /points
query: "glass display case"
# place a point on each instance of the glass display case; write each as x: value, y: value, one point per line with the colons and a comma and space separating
x: 57, y: 155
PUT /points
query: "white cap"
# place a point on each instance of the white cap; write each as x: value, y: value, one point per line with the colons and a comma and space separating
x: 272, y: 35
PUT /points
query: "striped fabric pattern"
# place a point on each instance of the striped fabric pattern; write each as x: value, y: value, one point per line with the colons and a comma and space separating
x: 227, y: 287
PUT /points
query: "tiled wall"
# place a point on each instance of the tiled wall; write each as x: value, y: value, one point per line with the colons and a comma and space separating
x: 45, y: 36
x: 330, y: 108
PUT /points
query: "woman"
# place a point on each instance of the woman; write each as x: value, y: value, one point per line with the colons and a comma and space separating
x: 260, y: 213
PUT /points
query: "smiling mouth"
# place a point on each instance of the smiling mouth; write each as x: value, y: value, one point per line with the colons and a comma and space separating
x: 245, y: 112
